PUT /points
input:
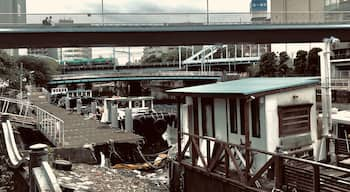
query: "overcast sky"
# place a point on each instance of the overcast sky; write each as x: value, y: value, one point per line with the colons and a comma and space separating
x: 74, y: 6
x: 55, y: 7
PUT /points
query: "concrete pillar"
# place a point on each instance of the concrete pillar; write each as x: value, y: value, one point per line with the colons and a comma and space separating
x: 66, y: 102
x: 114, y: 120
x: 37, y: 155
x: 79, y: 105
x: 93, y: 107
x: 128, y: 121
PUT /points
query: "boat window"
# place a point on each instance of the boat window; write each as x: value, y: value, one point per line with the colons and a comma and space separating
x: 208, y: 117
x: 123, y: 104
x: 233, y: 116
x: 148, y: 104
x: 137, y: 104
x: 294, y: 119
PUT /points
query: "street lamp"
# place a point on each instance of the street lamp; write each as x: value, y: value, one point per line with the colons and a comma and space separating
x: 326, y: 91
x: 21, y: 81
x: 208, y: 12
x: 103, y: 18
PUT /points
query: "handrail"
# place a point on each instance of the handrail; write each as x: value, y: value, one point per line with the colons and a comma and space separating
x: 45, y: 179
x: 50, y: 125
x: 15, y: 158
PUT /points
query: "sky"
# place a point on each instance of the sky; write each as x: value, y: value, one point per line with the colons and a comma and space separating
x: 63, y: 9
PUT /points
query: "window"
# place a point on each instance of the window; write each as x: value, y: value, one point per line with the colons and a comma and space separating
x: 208, y: 117
x: 255, y: 112
x: 233, y: 116
x: 241, y: 111
x: 294, y: 119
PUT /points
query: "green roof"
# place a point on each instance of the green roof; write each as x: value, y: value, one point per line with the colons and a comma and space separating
x: 248, y: 86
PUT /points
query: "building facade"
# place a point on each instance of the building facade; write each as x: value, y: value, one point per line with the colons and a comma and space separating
x: 12, y: 12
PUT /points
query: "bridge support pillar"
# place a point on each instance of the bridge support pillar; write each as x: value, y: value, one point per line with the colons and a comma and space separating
x: 128, y: 121
x: 37, y: 155
x: 114, y: 120
x: 67, y: 103
x: 93, y: 107
x: 79, y: 104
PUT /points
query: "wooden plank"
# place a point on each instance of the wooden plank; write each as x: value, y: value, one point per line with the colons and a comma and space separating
x: 238, y: 169
x: 316, y: 178
x: 261, y: 171
x: 194, y: 144
x: 214, y: 160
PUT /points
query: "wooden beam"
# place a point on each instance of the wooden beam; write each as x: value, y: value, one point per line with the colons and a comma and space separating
x: 247, y: 139
x: 199, y: 153
x: 261, y: 171
x: 212, y: 164
x: 278, y: 171
x: 238, y: 169
x: 316, y: 178
x: 179, y: 138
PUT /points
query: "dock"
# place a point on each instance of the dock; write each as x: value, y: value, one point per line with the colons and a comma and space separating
x: 79, y: 131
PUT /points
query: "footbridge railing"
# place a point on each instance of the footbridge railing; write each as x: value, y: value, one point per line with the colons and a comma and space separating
x: 15, y: 159
x: 50, y: 125
x: 41, y: 175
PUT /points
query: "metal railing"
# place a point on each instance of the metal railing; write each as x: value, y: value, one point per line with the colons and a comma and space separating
x: 15, y: 158
x: 164, y: 18
x: 51, y: 126
x: 340, y: 84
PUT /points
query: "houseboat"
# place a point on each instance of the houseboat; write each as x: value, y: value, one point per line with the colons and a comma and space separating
x: 242, y: 135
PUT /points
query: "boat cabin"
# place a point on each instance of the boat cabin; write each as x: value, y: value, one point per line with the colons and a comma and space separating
x: 136, y: 104
x: 268, y: 114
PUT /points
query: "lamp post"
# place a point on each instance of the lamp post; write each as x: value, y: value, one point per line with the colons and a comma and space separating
x: 103, y: 18
x: 326, y: 92
x: 21, y: 81
x: 207, y: 12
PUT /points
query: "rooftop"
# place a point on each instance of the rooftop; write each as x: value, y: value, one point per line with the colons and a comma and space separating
x: 248, y: 86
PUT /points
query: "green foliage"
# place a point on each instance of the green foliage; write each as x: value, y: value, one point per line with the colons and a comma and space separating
x: 313, y: 67
x: 300, y: 62
x: 268, y: 65
x: 283, y: 68
x: 43, y: 68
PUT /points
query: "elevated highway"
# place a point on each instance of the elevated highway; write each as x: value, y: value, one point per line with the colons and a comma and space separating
x: 136, y: 76
x: 88, y: 35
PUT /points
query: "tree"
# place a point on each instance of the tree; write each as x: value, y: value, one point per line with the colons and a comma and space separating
x: 313, y: 67
x: 268, y: 65
x: 300, y: 62
x: 283, y: 68
x: 43, y: 68
x: 9, y: 70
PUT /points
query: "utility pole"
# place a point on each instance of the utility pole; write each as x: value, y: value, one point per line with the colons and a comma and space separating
x: 326, y: 93
x: 207, y: 12
x: 21, y: 81
x: 103, y: 18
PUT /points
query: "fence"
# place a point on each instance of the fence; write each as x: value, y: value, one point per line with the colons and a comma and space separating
x: 51, y: 126
x: 227, y: 161
x: 172, y: 18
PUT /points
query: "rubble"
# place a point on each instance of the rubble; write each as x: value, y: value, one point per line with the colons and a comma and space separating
x: 86, y: 178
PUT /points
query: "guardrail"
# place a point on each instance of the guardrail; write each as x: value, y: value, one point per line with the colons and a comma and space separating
x: 340, y: 84
x: 172, y: 18
x: 51, y: 126
x: 41, y: 175
x: 14, y: 156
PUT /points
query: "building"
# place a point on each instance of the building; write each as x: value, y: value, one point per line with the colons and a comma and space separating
x: 223, y: 120
x: 50, y: 52
x: 12, y: 12
x: 258, y: 10
x: 74, y: 53
x: 297, y: 11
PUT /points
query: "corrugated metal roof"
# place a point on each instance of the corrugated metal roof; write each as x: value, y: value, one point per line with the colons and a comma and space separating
x: 248, y: 86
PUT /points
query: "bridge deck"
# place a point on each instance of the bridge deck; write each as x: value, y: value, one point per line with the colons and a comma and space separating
x: 79, y: 131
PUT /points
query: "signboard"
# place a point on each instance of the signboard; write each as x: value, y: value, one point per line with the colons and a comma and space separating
x: 258, y: 5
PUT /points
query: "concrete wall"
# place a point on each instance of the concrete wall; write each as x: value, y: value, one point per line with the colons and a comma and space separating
x: 297, y: 11
x: 306, y: 95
